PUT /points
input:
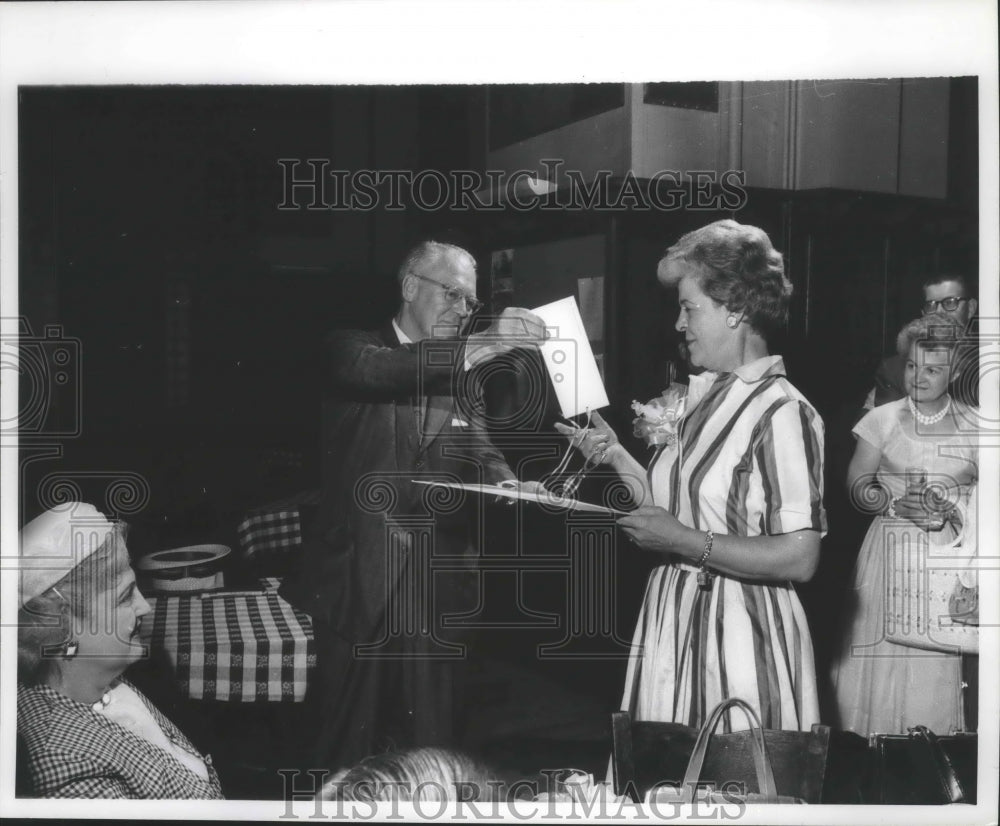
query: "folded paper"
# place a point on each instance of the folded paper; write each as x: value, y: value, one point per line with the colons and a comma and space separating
x: 570, y: 360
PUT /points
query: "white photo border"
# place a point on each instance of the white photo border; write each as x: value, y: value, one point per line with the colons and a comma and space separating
x: 395, y: 41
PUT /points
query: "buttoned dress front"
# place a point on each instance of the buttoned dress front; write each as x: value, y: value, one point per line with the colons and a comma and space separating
x: 748, y: 461
x: 75, y: 751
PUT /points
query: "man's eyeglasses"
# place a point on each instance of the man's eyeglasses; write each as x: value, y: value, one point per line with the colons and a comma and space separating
x: 949, y: 304
x: 453, y: 295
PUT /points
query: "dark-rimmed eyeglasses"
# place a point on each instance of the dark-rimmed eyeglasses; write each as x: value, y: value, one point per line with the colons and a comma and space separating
x: 453, y: 295
x: 949, y: 304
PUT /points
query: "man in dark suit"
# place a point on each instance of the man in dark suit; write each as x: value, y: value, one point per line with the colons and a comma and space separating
x: 381, y: 565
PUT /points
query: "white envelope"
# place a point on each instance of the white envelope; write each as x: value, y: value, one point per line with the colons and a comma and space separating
x: 570, y: 360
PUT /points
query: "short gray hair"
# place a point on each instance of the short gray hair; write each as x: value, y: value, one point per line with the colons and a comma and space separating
x: 429, y: 255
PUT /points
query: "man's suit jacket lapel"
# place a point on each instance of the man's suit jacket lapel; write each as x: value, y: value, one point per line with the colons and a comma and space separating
x: 404, y: 435
x: 439, y: 408
x: 434, y: 410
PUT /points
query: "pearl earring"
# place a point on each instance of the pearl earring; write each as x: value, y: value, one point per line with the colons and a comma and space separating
x: 732, y: 321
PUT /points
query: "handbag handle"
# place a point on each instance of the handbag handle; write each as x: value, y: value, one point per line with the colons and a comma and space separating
x: 951, y: 786
x: 765, y: 777
x: 963, y: 512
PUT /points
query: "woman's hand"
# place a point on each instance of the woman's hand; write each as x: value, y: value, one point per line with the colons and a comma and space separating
x: 528, y: 486
x: 784, y: 557
x: 594, y: 442
x: 654, y: 529
x: 924, y: 510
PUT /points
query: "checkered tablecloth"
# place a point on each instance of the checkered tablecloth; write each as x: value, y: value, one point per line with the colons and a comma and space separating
x: 246, y: 647
x: 266, y: 533
x: 274, y: 531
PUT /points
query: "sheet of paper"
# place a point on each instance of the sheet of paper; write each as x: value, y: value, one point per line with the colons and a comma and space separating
x: 570, y: 360
x: 551, y: 500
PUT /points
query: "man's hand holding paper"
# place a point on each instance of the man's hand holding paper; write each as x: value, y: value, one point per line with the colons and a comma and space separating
x: 557, y: 330
x: 514, y: 327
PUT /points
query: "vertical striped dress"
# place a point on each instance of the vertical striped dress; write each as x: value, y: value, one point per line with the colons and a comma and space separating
x: 748, y: 462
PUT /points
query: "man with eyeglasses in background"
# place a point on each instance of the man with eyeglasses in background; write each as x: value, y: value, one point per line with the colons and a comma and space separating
x: 952, y: 294
x: 370, y: 578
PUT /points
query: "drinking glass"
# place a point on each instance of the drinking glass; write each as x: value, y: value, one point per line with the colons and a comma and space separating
x: 916, y: 480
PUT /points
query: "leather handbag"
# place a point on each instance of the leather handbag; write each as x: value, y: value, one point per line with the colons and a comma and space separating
x: 920, y: 768
x: 729, y: 791
x: 931, y: 594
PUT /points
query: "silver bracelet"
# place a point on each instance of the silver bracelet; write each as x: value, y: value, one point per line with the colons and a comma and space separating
x: 706, y: 577
x: 709, y: 538
x: 891, y: 510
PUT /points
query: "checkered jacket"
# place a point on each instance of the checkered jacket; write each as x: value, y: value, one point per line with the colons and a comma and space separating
x: 72, y: 751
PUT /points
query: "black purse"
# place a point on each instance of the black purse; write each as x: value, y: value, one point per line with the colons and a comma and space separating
x: 730, y: 790
x: 770, y: 765
x: 921, y: 768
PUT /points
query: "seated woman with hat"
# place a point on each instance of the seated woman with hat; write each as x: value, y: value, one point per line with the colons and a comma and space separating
x: 88, y: 733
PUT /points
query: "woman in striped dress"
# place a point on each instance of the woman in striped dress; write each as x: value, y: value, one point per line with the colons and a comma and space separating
x: 734, y: 505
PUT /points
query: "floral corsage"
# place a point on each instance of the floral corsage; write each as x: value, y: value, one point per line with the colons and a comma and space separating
x: 657, y: 421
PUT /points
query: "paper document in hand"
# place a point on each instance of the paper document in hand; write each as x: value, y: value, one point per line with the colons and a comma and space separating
x: 570, y: 360
x: 549, y: 499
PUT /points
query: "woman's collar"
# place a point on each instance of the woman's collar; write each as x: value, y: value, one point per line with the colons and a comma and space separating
x: 754, y: 371
x: 749, y: 373
x: 45, y: 688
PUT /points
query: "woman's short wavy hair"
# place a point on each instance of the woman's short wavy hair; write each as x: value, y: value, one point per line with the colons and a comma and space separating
x: 737, y: 267
x: 940, y: 332
x: 934, y: 331
x: 45, y: 622
x: 425, y: 774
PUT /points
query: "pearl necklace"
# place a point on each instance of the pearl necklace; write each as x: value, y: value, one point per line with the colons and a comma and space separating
x: 932, y: 419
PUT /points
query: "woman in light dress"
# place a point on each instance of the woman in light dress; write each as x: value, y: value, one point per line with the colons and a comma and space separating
x: 880, y: 686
